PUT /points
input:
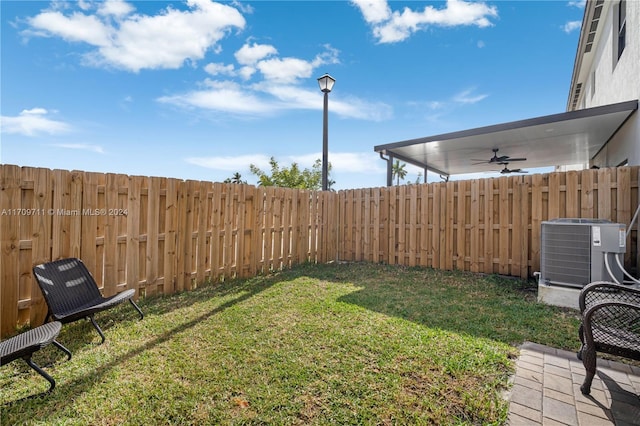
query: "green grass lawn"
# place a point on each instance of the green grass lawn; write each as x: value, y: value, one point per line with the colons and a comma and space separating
x: 319, y: 344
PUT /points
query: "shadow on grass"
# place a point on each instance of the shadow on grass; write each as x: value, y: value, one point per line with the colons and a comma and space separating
x: 491, y: 307
x: 77, y: 335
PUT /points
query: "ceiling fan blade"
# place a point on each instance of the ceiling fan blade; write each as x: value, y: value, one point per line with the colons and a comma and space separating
x: 501, y: 159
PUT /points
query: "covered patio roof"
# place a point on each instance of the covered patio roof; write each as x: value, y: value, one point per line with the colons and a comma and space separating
x: 573, y: 137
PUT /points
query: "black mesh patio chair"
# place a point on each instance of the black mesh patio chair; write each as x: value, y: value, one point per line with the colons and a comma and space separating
x: 24, y: 345
x: 610, y: 324
x: 71, y: 292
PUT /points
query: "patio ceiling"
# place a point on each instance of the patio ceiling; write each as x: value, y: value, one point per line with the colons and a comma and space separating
x: 573, y: 137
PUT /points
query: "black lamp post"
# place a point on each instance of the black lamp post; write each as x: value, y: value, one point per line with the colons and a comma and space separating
x: 326, y: 83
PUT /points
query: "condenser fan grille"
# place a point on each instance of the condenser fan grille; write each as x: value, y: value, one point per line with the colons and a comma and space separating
x: 566, y: 254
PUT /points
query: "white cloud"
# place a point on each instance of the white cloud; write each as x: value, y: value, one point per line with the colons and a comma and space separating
x: 293, y: 96
x: 289, y: 70
x: 468, y: 97
x: 374, y: 11
x: 251, y: 54
x: 33, y: 122
x: 116, y: 8
x: 133, y: 41
x: 578, y: 3
x: 77, y: 27
x: 285, y: 70
x: 262, y: 58
x: 571, y: 26
x: 247, y: 72
x: 220, y: 69
x: 79, y: 146
x: 394, y: 26
x: 329, y: 56
x: 226, y: 96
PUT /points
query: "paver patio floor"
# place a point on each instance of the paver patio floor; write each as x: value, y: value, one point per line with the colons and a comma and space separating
x: 546, y: 390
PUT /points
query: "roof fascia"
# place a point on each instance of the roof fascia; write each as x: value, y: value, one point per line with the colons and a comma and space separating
x: 554, y: 118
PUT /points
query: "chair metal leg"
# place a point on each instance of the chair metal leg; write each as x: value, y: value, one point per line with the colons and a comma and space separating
x: 589, y: 362
x: 98, y: 329
x: 137, y: 308
x: 62, y: 348
x: 41, y: 372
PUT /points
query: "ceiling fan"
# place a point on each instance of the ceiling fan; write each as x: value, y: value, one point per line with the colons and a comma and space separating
x: 507, y: 170
x: 503, y: 159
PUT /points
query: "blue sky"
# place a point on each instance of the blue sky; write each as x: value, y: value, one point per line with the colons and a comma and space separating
x: 199, y: 89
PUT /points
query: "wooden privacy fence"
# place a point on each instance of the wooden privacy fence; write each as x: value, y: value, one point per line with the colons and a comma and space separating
x: 155, y: 235
x: 481, y: 225
x: 162, y: 235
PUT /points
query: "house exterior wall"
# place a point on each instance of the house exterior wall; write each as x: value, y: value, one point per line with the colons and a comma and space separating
x: 617, y: 80
x: 608, y: 79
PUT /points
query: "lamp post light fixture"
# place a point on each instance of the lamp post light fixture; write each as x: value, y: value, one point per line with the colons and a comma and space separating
x: 326, y: 83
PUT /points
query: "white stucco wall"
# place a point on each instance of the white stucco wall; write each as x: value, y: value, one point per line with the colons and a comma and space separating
x: 617, y: 81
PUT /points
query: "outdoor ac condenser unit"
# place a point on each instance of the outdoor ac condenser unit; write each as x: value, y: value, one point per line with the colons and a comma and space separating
x: 573, y: 251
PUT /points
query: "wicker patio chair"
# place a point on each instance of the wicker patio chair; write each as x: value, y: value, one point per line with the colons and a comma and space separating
x: 610, y: 324
x: 24, y: 345
x: 71, y: 292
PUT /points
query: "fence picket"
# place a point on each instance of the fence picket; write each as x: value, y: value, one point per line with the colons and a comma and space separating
x: 488, y: 226
x: 460, y: 253
x: 475, y: 207
x: 448, y: 223
x: 604, y: 193
x: 587, y: 196
x: 40, y: 238
x: 504, y: 215
x: 152, y: 231
x: 133, y: 232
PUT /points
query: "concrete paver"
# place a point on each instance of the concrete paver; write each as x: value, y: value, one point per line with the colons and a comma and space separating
x: 546, y: 391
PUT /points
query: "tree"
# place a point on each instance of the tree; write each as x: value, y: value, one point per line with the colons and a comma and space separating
x: 398, y: 171
x: 236, y: 178
x: 291, y: 177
